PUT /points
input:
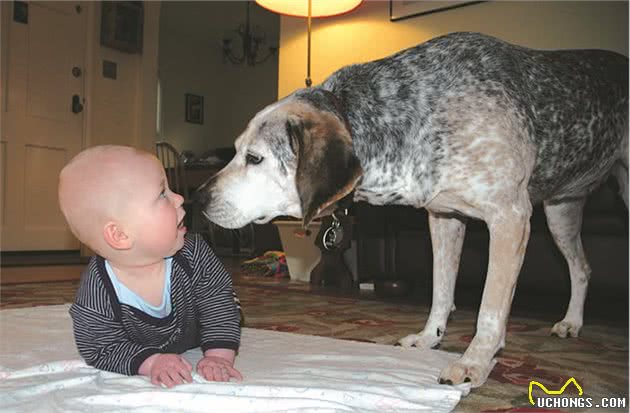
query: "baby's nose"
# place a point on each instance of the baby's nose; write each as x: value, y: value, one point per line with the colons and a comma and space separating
x: 178, y: 199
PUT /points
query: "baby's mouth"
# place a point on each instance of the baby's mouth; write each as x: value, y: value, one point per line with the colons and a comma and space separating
x: 180, y: 225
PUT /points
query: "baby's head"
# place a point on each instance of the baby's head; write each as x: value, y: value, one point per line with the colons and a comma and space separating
x: 116, y: 201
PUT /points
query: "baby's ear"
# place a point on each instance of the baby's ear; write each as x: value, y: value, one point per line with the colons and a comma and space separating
x: 115, y: 236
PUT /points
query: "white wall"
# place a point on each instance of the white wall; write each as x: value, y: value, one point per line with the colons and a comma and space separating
x: 367, y: 34
x: 190, y: 61
x: 122, y: 111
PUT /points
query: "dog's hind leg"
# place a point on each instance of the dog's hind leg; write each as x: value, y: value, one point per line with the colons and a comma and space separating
x: 564, y: 220
x: 447, y: 238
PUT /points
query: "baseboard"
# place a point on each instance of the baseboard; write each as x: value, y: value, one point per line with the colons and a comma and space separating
x: 33, y: 258
x: 40, y: 273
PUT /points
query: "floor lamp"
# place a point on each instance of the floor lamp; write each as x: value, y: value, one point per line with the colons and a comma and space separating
x: 309, y: 9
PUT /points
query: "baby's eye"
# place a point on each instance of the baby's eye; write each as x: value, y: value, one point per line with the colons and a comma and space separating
x: 163, y: 194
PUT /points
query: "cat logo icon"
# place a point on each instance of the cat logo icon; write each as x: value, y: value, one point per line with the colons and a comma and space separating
x: 553, y: 392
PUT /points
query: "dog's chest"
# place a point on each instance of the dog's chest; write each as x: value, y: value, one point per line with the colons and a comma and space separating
x: 400, y: 183
x: 400, y: 160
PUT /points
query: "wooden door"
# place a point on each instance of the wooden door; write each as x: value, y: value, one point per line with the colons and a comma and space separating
x: 42, y: 125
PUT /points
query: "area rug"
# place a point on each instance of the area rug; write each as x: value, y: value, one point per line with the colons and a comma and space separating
x: 597, y: 360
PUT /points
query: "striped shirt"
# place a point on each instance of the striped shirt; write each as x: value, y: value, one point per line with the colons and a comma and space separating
x: 118, y: 337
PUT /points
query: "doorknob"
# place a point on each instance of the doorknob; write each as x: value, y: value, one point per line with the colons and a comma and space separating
x: 77, y: 106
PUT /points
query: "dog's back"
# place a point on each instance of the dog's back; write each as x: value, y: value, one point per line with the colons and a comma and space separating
x: 572, y: 104
x: 578, y: 110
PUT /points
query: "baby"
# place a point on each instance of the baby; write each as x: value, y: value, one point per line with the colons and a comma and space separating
x: 151, y: 292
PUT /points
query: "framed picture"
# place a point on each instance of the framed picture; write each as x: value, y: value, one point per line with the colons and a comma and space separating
x: 194, y: 108
x: 122, y: 25
x: 405, y: 9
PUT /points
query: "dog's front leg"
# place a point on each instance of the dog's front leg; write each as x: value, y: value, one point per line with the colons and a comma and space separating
x: 509, y: 233
x: 447, y: 238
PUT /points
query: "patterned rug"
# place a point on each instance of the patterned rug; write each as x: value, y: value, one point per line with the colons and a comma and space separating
x: 598, y: 360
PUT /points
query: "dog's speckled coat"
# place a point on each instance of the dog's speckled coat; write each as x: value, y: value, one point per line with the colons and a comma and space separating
x: 464, y: 125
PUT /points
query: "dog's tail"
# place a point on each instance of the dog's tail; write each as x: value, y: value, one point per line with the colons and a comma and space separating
x: 620, y: 169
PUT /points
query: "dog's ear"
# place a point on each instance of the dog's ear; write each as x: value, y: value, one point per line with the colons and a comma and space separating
x: 327, y: 168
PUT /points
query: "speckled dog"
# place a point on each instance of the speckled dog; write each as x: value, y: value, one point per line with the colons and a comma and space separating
x: 464, y: 125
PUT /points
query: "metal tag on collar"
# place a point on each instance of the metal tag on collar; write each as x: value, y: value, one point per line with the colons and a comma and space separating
x: 334, y: 233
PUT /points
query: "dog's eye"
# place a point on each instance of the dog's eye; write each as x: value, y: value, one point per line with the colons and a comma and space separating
x: 252, y: 159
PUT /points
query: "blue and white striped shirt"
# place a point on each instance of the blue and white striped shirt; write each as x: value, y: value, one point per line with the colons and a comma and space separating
x: 118, y: 337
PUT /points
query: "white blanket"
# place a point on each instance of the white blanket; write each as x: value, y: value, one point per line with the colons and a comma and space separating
x: 41, y: 371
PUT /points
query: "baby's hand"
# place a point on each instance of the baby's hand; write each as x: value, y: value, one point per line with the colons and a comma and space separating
x: 170, y: 370
x: 214, y: 368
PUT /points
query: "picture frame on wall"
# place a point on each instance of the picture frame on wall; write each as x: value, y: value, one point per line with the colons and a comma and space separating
x: 405, y: 9
x: 122, y: 24
x: 194, y: 108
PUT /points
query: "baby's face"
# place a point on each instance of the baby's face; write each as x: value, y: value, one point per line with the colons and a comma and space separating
x: 154, y: 214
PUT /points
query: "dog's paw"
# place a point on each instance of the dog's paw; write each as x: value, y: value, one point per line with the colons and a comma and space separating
x: 421, y: 340
x: 566, y: 329
x: 461, y: 371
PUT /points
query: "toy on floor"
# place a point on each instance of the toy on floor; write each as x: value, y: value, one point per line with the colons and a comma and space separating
x: 270, y: 264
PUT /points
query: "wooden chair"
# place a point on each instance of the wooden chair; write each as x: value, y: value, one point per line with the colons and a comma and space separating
x: 174, y: 168
x: 176, y: 175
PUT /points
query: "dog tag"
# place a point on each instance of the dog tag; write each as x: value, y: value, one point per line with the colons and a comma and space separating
x: 332, y: 237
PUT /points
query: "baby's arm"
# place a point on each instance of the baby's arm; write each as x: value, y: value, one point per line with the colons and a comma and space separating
x: 219, y: 317
x: 103, y: 342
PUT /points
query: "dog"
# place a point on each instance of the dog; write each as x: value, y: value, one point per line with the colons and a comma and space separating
x: 464, y: 125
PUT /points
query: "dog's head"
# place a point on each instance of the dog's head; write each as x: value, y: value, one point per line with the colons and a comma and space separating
x: 295, y: 158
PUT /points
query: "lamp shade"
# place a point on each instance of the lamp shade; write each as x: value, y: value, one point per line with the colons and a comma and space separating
x: 319, y: 8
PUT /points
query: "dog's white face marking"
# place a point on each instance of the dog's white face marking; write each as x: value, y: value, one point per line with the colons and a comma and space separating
x: 256, y: 185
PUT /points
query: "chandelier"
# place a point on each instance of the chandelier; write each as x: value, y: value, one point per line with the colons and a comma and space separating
x: 250, y: 39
